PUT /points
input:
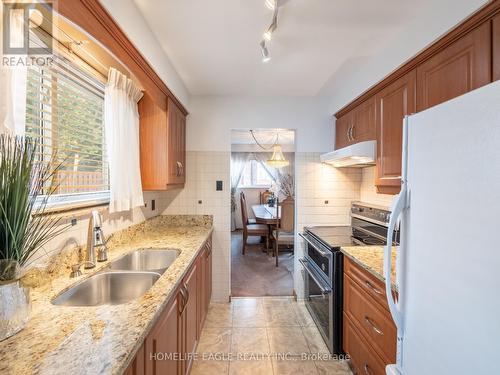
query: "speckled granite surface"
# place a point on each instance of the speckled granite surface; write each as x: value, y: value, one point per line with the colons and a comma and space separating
x: 101, y: 339
x: 371, y: 258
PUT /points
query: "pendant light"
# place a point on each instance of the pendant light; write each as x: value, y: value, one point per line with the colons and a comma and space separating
x: 277, y: 160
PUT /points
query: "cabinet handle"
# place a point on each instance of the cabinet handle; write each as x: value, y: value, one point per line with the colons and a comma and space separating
x: 183, y: 300
x: 374, y: 327
x: 349, y: 133
x: 353, y: 135
x: 367, y: 369
x: 370, y: 286
x: 178, y: 168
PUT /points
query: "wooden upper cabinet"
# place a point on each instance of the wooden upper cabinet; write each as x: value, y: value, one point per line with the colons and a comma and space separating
x: 342, y: 128
x: 457, y: 69
x: 176, y: 154
x: 162, y: 143
x: 496, y: 48
x: 357, y: 125
x: 363, y: 126
x: 393, y: 103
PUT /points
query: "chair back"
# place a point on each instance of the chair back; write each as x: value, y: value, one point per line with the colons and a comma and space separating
x: 287, y: 215
x: 264, y: 195
x: 244, y: 214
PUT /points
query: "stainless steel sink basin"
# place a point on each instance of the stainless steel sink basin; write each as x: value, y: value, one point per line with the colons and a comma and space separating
x: 110, y: 288
x: 146, y: 260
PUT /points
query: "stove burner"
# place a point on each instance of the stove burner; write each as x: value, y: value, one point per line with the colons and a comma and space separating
x: 373, y: 241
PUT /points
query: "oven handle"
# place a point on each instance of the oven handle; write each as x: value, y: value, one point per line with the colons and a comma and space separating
x: 321, y: 252
x: 324, y: 290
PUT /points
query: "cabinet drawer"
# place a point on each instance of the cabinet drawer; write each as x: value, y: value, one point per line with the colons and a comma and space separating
x: 370, y: 284
x: 374, y: 322
x: 363, y: 359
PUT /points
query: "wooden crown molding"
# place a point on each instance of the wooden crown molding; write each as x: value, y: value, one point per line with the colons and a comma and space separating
x: 91, y: 16
x: 488, y: 11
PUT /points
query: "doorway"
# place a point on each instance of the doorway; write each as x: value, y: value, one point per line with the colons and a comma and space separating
x: 262, y: 191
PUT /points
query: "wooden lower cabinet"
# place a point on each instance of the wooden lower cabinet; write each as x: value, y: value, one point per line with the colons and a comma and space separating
x: 363, y: 359
x: 369, y: 335
x: 168, y: 348
x: 496, y: 48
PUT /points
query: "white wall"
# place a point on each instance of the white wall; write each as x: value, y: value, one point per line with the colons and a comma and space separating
x: 212, y: 118
x: 130, y: 19
x: 354, y: 78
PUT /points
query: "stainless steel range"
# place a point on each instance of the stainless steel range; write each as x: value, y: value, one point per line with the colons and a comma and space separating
x: 323, y: 265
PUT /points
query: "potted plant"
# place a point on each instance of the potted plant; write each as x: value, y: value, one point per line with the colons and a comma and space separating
x: 24, y: 227
x: 287, y: 185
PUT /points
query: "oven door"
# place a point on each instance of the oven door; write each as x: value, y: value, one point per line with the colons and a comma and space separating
x: 318, y: 254
x: 319, y: 300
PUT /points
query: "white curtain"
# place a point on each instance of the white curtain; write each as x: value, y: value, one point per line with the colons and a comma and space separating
x: 238, y: 161
x: 13, y: 79
x: 122, y: 141
x: 262, y: 157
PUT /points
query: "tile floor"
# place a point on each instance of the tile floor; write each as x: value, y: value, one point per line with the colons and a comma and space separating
x: 263, y: 336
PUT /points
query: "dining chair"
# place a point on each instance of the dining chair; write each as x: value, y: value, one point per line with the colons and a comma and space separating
x: 257, y: 230
x: 264, y: 195
x: 284, y: 227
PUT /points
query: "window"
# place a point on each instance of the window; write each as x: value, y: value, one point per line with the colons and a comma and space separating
x: 255, y: 175
x: 65, y: 114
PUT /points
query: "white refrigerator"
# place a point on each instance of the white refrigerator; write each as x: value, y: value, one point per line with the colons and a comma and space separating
x: 448, y: 263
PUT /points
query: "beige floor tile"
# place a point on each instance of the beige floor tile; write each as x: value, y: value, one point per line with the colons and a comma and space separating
x: 280, y: 316
x: 294, y: 367
x: 251, y: 367
x: 215, y: 340
x: 249, y: 317
x: 315, y: 340
x: 209, y: 367
x: 303, y: 315
x: 277, y: 302
x: 246, y: 302
x: 220, y: 315
x: 249, y: 340
x: 332, y: 368
x: 287, y: 340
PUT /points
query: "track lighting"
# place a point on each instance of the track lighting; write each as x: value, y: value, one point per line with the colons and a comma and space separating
x: 265, y: 52
x: 271, y: 4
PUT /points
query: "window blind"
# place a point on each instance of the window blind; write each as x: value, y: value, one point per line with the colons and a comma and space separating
x: 65, y: 115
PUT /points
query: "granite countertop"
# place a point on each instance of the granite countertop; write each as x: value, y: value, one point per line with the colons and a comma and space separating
x: 371, y: 258
x: 101, y: 339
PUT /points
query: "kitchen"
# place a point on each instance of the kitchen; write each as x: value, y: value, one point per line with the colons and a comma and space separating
x: 134, y: 263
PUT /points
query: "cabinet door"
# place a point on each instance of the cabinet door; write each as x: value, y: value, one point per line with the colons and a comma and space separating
x: 165, y: 339
x: 202, y: 288
x: 363, y: 126
x: 393, y: 103
x: 153, y: 143
x: 176, y: 138
x: 208, y: 275
x: 190, y: 317
x: 342, y: 126
x: 459, y: 68
x: 496, y: 48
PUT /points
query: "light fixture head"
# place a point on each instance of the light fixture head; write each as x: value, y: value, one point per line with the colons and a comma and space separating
x: 265, y: 52
x: 270, y: 30
x: 278, y: 160
x: 271, y: 4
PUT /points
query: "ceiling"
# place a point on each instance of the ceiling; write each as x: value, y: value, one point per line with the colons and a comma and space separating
x: 214, y: 45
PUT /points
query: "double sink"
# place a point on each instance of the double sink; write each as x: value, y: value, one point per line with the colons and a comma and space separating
x: 124, y: 279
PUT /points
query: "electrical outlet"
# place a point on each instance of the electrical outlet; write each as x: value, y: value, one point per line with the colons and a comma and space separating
x: 326, y: 202
x: 73, y: 222
x: 153, y: 205
x: 218, y: 185
x: 200, y: 202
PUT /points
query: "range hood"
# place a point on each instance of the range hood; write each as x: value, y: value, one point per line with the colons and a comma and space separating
x: 362, y: 154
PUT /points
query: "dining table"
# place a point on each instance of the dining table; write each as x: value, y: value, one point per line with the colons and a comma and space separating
x: 265, y: 214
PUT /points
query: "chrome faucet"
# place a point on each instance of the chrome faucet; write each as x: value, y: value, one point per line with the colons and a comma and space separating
x: 95, y: 242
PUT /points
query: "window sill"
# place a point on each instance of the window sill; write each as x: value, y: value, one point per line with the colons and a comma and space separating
x: 70, y: 202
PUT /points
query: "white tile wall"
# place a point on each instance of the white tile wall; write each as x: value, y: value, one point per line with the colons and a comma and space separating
x: 316, y: 183
x: 199, y: 196
x: 369, y: 191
